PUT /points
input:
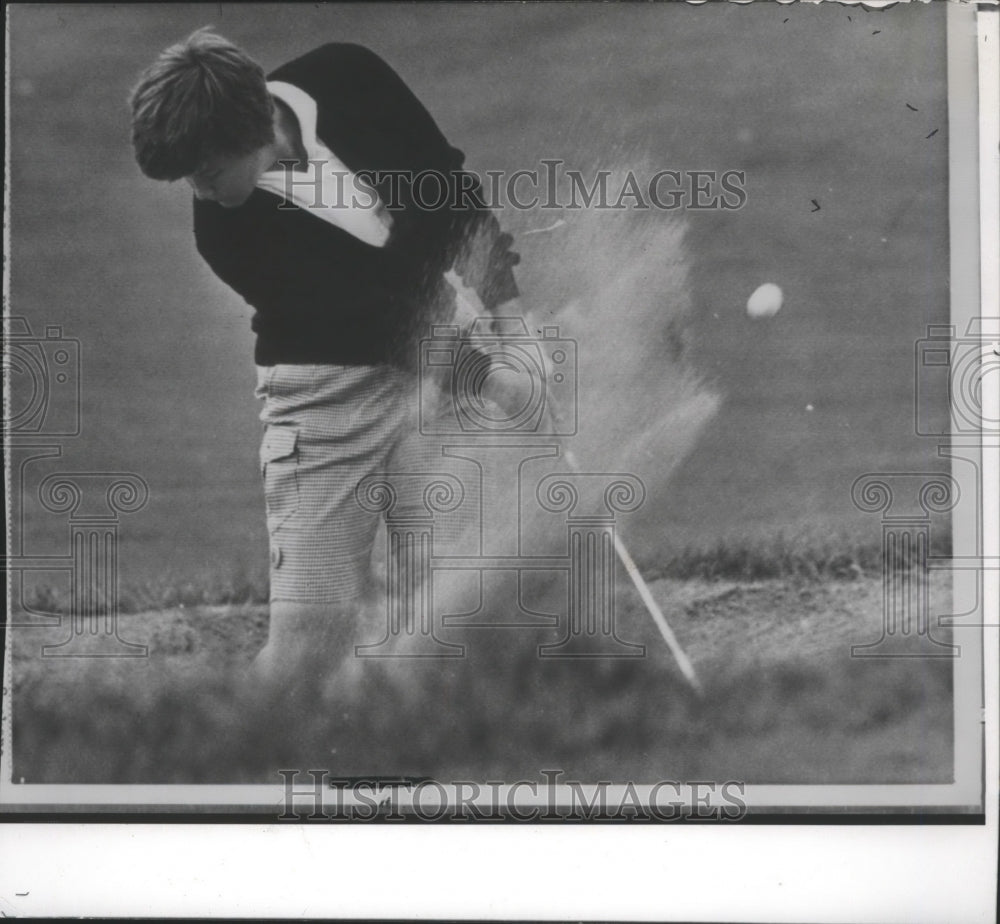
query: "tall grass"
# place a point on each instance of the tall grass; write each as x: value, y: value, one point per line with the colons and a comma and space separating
x: 786, y: 556
x: 810, y: 556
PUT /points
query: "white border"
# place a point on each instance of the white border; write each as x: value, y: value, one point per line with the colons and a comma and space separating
x: 662, y: 872
x: 966, y: 790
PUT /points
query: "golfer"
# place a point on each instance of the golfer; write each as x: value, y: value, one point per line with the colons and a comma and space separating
x: 316, y: 200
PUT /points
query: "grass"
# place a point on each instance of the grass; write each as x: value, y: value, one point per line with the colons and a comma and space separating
x: 166, y: 592
x: 781, y: 556
x: 784, y: 557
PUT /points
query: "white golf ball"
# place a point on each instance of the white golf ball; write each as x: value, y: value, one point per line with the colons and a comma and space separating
x: 765, y: 301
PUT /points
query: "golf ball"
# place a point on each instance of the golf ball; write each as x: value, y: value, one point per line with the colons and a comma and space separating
x: 765, y: 301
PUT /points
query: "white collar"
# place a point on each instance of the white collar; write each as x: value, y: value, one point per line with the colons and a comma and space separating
x: 372, y: 224
x: 305, y: 109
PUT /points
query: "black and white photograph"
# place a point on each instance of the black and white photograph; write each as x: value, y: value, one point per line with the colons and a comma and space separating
x: 494, y: 413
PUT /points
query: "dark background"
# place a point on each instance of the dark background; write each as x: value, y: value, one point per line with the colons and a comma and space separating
x: 810, y: 102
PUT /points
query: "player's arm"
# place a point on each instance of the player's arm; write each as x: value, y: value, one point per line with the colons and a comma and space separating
x: 484, y: 260
x: 465, y: 236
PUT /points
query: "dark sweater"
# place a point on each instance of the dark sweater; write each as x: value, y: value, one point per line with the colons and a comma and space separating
x: 323, y: 296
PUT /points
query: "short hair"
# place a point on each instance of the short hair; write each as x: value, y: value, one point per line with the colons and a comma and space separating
x: 201, y: 98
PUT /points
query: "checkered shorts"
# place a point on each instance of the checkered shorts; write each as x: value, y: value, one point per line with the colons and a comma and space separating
x: 326, y: 427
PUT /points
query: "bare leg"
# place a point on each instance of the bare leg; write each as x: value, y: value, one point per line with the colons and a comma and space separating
x: 310, y: 649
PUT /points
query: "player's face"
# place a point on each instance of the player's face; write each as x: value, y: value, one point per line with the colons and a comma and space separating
x: 228, y: 180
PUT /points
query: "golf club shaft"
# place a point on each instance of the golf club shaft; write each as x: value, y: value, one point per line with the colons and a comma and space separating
x: 652, y: 607
x: 632, y: 569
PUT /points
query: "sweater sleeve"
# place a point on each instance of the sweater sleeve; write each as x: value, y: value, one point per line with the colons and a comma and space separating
x: 383, y: 128
x: 483, y: 258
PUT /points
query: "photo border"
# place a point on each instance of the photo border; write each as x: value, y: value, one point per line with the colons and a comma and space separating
x: 963, y: 804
